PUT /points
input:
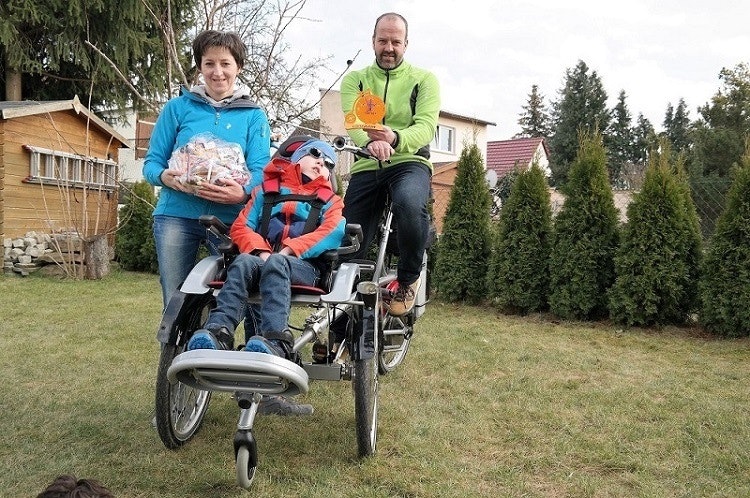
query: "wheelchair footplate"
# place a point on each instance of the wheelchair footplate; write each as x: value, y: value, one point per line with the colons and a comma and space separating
x: 238, y: 371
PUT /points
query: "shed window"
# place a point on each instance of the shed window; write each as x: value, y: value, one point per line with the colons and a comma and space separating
x: 47, y: 165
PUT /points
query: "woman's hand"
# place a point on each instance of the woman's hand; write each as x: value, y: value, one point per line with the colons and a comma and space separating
x: 226, y: 191
x: 171, y: 179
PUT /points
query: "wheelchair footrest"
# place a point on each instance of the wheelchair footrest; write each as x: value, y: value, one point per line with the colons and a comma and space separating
x: 243, y: 371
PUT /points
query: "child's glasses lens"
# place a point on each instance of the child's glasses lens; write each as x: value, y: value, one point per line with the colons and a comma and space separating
x: 317, y: 155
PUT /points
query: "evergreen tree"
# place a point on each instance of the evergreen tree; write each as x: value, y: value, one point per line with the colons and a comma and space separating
x: 519, y: 274
x: 49, y: 44
x: 645, y: 139
x: 677, y: 127
x: 680, y: 132
x: 581, y: 108
x: 720, y: 132
x: 725, y: 282
x: 464, y: 247
x: 620, y: 140
x: 134, y: 243
x: 585, y: 237
x: 535, y: 119
x: 658, y: 262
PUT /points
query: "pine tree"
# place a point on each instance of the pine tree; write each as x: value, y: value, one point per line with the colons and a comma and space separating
x: 658, y: 261
x: 677, y: 126
x: 464, y: 247
x: 586, y: 235
x: 725, y: 282
x: 134, y: 243
x: 47, y: 43
x: 620, y: 140
x: 535, y: 119
x: 518, y: 278
x: 581, y: 108
x: 645, y: 140
x: 719, y: 135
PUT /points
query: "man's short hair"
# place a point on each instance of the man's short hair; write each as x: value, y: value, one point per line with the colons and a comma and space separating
x: 392, y: 15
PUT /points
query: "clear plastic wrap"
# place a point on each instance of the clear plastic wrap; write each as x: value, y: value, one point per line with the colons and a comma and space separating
x: 208, y: 158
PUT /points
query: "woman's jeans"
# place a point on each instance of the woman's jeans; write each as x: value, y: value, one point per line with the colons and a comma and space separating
x: 177, y: 243
x: 273, y: 278
x: 409, y: 188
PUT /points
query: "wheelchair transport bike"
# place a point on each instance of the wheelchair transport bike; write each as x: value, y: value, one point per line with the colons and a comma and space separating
x: 374, y: 344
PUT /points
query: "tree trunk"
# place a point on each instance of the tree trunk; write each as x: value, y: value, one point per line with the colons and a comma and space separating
x: 96, y: 257
x: 12, y: 83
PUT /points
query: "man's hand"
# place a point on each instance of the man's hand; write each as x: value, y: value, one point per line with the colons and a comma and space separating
x: 380, y: 146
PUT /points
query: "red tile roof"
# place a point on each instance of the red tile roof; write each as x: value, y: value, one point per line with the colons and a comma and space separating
x: 503, y: 155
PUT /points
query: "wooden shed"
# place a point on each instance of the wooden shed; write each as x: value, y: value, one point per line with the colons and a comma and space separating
x: 58, y: 169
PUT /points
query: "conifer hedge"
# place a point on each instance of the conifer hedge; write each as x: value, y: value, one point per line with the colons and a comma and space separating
x: 586, y: 236
x: 725, y: 286
x: 463, y: 248
x: 658, y: 261
x: 134, y: 244
x: 518, y: 278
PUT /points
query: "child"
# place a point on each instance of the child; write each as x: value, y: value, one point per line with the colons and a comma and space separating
x: 278, y: 247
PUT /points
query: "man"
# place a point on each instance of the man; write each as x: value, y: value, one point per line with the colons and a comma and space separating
x: 401, y: 166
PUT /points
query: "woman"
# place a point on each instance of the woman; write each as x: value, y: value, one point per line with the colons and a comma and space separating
x: 221, y: 107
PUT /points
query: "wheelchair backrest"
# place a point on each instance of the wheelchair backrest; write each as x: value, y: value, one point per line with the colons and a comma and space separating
x: 291, y: 144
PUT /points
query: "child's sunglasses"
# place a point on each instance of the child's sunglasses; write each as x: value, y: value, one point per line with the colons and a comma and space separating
x: 317, y: 155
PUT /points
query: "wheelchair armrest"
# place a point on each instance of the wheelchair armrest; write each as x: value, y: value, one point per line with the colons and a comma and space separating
x: 218, y: 228
x: 352, y: 239
x: 214, y: 224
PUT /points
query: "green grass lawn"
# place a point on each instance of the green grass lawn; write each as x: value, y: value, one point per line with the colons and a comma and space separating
x: 485, y: 405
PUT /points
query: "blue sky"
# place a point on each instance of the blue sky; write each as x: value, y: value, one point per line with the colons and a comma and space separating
x: 488, y: 53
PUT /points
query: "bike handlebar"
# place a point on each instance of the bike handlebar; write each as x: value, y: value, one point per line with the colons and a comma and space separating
x: 339, y: 143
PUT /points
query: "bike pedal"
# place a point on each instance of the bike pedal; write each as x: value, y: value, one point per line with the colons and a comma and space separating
x: 320, y: 353
x: 342, y: 354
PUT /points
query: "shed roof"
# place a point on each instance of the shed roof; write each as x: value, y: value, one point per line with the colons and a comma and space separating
x: 503, y: 155
x: 17, y: 109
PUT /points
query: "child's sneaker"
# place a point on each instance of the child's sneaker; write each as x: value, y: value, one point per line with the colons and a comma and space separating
x: 259, y: 344
x: 218, y: 338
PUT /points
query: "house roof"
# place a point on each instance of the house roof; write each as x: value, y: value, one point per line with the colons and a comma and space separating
x: 17, y: 109
x: 461, y: 117
x: 503, y: 155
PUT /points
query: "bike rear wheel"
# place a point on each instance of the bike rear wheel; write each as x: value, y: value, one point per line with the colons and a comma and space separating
x: 395, y: 337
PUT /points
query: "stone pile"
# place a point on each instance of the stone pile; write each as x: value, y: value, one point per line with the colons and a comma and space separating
x: 27, y: 254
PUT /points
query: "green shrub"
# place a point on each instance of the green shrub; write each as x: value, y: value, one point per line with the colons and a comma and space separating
x: 725, y: 285
x: 658, y: 262
x: 518, y: 278
x: 463, y: 248
x: 134, y: 245
x: 586, y: 235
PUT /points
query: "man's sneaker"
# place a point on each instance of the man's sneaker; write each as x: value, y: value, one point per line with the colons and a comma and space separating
x: 403, y: 300
x: 219, y: 338
x: 279, y: 405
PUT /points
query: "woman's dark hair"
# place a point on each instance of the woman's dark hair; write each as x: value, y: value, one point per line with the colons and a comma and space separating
x: 211, y: 38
